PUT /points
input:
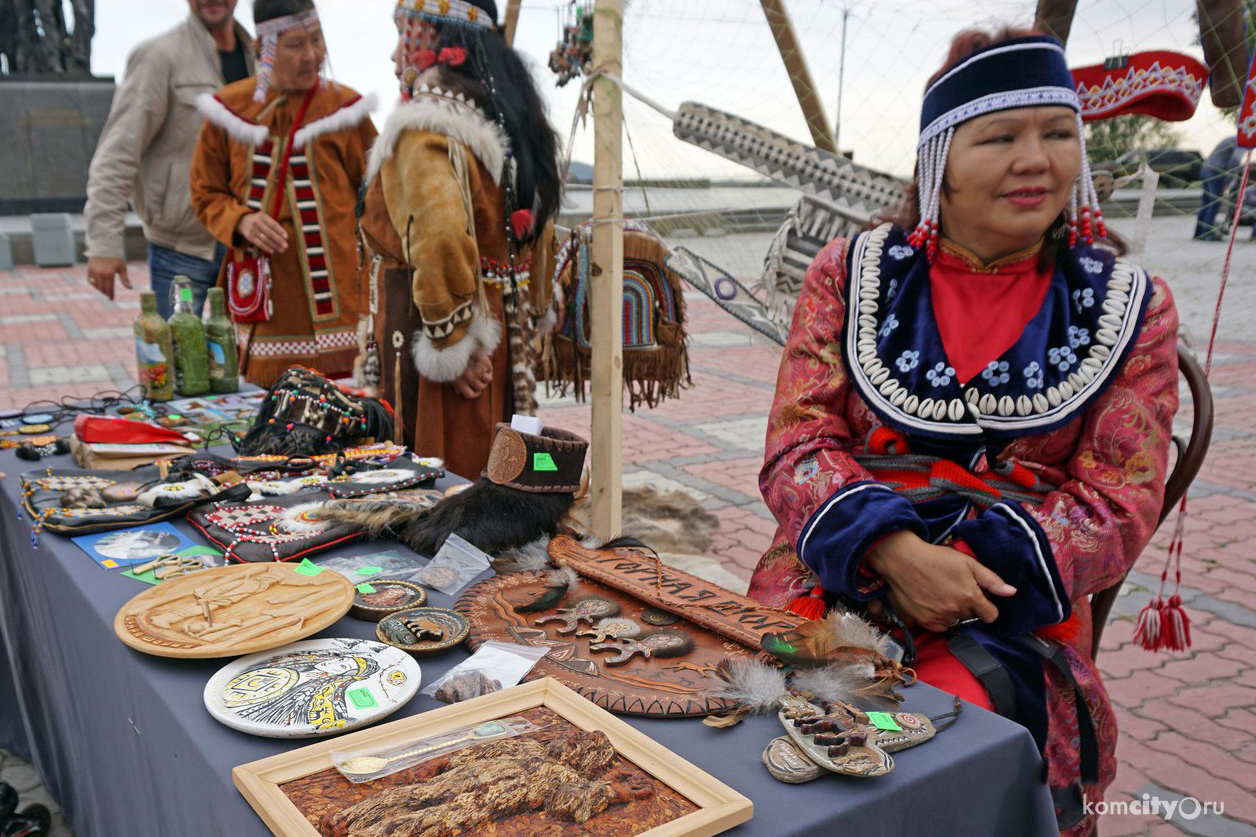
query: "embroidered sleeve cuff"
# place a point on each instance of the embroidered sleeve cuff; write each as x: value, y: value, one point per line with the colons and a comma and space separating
x: 839, y: 534
x: 482, y: 336
x: 1007, y: 540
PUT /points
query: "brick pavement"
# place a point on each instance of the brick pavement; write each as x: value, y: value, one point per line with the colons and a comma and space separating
x: 1188, y: 720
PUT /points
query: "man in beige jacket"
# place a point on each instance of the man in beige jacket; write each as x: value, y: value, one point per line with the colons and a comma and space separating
x: 145, y: 151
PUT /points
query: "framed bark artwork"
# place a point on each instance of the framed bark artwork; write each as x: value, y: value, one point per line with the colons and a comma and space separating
x: 579, y: 771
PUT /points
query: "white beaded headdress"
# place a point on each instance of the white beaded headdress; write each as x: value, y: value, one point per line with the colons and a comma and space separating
x: 1017, y: 73
x: 268, y: 32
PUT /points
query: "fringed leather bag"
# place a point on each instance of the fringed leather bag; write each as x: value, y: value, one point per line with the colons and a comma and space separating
x: 656, y: 359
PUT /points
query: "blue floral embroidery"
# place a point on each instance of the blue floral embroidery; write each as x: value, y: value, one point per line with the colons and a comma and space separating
x: 1061, y: 358
x: 1083, y: 298
x: 940, y: 375
x: 1033, y: 375
x: 901, y: 251
x: 1091, y: 265
x: 908, y: 360
x: 996, y: 372
x: 891, y: 290
x: 806, y: 470
x: 891, y: 323
x: 1078, y: 337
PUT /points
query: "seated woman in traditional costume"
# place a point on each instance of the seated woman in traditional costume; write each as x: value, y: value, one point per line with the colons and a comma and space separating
x: 274, y: 176
x: 463, y: 183
x: 973, y: 413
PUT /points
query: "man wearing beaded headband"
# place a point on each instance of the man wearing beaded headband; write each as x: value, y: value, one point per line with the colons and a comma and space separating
x: 276, y: 170
x: 463, y: 183
x: 974, y: 410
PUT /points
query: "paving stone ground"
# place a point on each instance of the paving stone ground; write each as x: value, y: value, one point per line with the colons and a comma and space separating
x: 1187, y: 720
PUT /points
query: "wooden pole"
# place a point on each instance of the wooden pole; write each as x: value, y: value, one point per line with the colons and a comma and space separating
x: 799, y: 74
x: 512, y: 20
x: 607, y: 282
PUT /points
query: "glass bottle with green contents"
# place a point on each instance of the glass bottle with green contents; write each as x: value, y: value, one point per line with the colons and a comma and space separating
x: 224, y: 371
x: 152, y: 351
x: 187, y: 332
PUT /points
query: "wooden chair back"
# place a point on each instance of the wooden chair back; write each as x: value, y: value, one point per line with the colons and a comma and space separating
x: 1190, y: 457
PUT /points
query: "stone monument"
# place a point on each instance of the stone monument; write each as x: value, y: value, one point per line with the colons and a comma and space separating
x: 53, y: 107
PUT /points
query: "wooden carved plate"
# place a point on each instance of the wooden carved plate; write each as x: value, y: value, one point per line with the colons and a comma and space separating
x: 315, y: 687
x: 620, y: 678
x: 227, y: 611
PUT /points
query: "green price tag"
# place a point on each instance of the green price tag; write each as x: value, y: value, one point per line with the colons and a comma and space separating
x: 368, y: 571
x: 185, y: 294
x: 885, y: 721
x: 365, y: 588
x: 308, y: 567
x: 543, y: 462
x: 362, y: 698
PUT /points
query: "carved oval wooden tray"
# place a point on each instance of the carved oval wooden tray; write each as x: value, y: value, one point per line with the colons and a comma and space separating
x: 315, y: 687
x: 227, y: 611
x: 669, y: 682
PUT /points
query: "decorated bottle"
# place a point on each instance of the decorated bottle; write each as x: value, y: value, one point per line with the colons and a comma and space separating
x: 153, y: 351
x: 187, y: 332
x: 224, y: 371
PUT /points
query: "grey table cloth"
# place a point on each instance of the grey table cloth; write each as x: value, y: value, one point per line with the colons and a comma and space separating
x: 124, y: 742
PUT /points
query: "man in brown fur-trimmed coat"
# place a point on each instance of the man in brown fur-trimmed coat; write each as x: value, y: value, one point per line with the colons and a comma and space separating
x: 462, y: 184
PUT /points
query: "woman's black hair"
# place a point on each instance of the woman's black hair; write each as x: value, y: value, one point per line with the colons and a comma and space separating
x: 511, y: 96
x: 264, y: 10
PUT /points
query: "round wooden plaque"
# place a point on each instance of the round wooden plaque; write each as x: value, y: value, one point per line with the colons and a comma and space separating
x: 423, y: 630
x: 227, y: 611
x: 390, y: 596
x: 315, y: 687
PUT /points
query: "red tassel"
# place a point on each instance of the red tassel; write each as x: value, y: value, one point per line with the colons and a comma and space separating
x: 521, y: 222
x: 810, y: 606
x: 1147, y: 631
x: 1175, y: 625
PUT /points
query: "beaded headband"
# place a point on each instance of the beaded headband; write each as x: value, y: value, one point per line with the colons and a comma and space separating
x: 268, y: 32
x: 1017, y: 73
x: 446, y: 11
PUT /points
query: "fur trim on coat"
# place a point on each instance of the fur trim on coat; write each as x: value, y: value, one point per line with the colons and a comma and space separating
x: 244, y: 130
x: 347, y: 117
x: 451, y: 115
x: 482, y: 337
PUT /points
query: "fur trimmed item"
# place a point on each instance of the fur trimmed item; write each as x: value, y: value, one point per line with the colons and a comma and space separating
x: 483, y: 337
x: 348, y: 116
x: 448, y: 113
x: 236, y: 126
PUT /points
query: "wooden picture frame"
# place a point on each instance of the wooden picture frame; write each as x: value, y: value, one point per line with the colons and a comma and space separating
x: 719, y: 806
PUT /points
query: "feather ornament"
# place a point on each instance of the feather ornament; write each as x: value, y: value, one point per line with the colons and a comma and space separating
x: 533, y: 556
x: 751, y: 683
x: 557, y: 583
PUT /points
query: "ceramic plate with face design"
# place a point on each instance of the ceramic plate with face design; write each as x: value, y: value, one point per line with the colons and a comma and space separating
x: 312, y: 688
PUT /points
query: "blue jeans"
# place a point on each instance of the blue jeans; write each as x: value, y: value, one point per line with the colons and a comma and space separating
x: 1210, y: 203
x: 164, y: 264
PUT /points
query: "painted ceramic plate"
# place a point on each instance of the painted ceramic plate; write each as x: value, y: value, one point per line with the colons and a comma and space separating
x: 389, y: 596
x: 312, y: 688
x: 424, y: 630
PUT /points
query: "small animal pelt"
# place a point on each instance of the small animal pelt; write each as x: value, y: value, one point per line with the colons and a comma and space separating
x: 493, y: 517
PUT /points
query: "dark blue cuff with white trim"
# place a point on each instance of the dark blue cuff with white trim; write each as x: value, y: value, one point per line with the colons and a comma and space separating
x: 1007, y: 540
x: 839, y: 534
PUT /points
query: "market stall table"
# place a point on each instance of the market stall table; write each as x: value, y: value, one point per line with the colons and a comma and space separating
x: 126, y: 746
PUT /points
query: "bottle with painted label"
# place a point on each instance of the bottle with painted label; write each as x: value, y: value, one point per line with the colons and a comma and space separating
x: 152, y: 351
x: 187, y: 332
x: 224, y: 371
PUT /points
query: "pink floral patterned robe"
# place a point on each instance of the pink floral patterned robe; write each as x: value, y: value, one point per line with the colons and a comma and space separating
x: 1109, y: 463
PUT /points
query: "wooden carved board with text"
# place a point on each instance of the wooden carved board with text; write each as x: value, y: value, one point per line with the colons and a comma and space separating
x: 616, y: 672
